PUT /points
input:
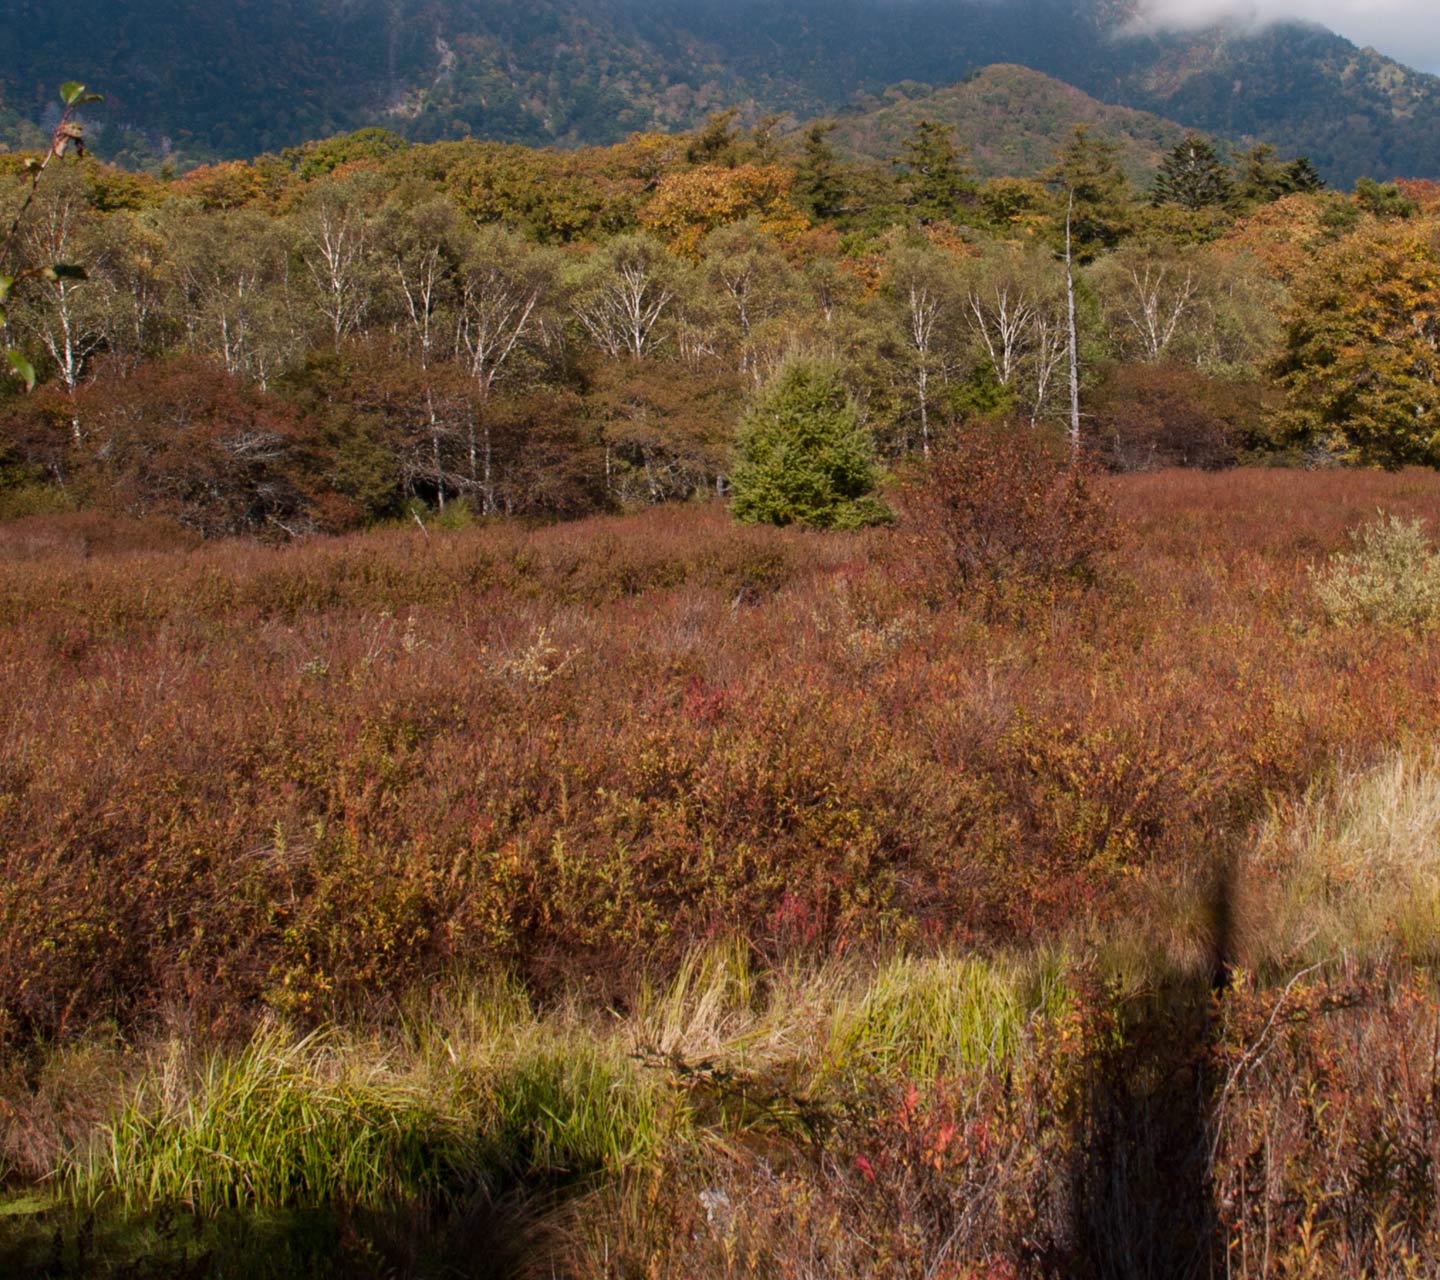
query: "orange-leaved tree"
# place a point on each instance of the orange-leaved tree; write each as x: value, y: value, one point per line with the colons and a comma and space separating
x: 688, y: 206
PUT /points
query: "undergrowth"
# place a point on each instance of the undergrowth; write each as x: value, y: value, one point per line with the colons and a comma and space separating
x: 652, y: 897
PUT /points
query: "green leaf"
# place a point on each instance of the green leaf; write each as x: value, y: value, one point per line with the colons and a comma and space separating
x: 22, y: 369
x: 6, y: 284
x: 71, y: 92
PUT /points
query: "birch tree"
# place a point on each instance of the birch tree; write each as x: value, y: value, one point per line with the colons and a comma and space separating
x: 231, y: 292
x: 1146, y: 298
x: 624, y: 296
x: 66, y: 314
x: 501, y: 286
x: 336, y: 245
x: 421, y: 246
x: 923, y: 285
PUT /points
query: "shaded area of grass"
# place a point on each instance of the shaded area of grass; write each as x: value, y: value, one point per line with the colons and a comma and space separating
x: 476, y: 1242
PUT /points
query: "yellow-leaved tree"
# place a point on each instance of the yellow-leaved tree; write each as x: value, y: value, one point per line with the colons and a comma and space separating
x: 688, y: 206
x: 1362, y: 357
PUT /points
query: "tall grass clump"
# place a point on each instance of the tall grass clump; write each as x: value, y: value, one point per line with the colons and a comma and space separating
x: 572, y: 1109
x: 1390, y: 575
x: 1353, y: 866
x: 710, y: 1001
x: 482, y: 1098
x: 933, y: 1016
x: 278, y: 1125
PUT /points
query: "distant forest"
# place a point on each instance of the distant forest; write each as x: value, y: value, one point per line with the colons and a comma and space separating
x: 361, y: 330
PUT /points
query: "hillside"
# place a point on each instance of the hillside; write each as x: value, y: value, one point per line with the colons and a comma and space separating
x: 1302, y: 88
x: 1011, y: 119
x: 188, y: 81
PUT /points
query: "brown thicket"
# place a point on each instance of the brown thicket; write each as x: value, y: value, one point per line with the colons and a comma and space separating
x: 1002, y: 507
x: 241, y: 778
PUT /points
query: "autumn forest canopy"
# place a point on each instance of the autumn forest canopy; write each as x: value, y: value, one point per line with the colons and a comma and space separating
x: 360, y: 328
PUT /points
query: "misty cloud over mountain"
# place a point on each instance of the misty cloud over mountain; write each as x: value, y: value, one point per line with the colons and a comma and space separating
x: 1408, y: 30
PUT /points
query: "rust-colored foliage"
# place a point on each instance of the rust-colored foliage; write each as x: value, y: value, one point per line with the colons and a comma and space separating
x: 999, y: 506
x: 236, y: 777
x: 1150, y: 416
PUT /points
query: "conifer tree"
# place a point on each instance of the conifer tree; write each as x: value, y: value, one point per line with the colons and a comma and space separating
x: 1265, y: 178
x: 1300, y: 176
x: 819, y: 178
x: 802, y: 455
x: 938, y: 183
x: 716, y: 141
x: 1193, y: 177
x: 1383, y: 199
x: 1095, y: 197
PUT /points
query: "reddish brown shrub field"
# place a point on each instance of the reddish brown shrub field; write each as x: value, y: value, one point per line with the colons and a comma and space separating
x: 242, y: 777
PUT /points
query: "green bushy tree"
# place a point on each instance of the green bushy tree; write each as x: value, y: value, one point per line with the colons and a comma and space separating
x: 1383, y: 199
x: 802, y: 455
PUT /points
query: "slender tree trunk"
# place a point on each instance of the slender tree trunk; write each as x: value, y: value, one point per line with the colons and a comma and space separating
x: 487, y: 458
x: 489, y: 469
x: 924, y: 384
x: 1074, y: 340
x: 435, y: 451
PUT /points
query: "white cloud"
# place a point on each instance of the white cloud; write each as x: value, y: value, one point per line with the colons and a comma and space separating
x: 1408, y: 30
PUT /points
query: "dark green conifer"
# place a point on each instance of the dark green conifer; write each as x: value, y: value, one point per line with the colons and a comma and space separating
x: 1383, y: 199
x: 1300, y: 176
x: 1265, y: 178
x: 1193, y: 177
x: 819, y: 178
x: 937, y: 183
x: 716, y: 141
x: 1094, y: 194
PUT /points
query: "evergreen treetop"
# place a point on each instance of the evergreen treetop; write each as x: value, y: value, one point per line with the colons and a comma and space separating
x: 939, y: 182
x: 1193, y: 177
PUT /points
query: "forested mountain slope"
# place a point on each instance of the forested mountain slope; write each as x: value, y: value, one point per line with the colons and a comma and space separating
x: 191, y: 80
x: 1012, y: 120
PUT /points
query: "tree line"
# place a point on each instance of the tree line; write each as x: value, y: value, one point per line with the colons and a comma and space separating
x: 360, y: 329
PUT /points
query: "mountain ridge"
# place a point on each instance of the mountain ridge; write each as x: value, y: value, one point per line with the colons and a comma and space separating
x: 189, y: 81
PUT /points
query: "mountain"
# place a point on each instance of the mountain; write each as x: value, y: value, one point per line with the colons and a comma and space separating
x: 1012, y: 119
x: 193, y: 79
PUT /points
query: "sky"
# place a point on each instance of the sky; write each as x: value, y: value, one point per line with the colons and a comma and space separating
x: 1407, y: 30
